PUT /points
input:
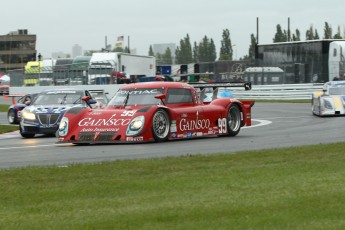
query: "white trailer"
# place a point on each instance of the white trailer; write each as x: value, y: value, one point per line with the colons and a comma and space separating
x: 105, y: 68
x: 336, y: 60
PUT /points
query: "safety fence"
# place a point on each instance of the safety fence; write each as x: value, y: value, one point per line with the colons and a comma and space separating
x: 279, y: 92
x: 271, y: 92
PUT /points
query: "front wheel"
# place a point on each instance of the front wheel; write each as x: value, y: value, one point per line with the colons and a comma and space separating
x: 25, y: 135
x: 160, y: 125
x: 233, y: 120
x: 11, y: 116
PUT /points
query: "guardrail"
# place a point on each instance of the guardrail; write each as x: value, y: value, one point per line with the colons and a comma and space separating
x: 279, y: 92
x: 283, y: 91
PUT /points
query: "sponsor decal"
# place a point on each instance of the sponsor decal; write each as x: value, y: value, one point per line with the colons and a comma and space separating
x: 173, y: 127
x: 189, y: 134
x: 186, y: 125
x: 139, y: 92
x: 173, y: 135
x: 99, y: 130
x: 134, y: 138
x: 112, y: 121
x: 95, y: 113
x: 180, y: 135
x: 128, y: 113
x: 222, y: 125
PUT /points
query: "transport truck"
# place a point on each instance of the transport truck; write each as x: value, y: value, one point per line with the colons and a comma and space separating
x: 118, y: 67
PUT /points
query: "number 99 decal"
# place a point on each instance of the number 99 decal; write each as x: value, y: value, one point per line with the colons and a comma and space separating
x: 223, y: 128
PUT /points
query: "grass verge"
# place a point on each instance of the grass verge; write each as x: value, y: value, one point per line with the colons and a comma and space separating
x: 4, y: 108
x: 291, y: 188
x: 8, y: 128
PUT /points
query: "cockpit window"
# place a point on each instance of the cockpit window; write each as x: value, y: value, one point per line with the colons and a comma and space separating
x: 176, y: 96
x: 58, y: 98
x: 337, y: 90
x: 136, y: 97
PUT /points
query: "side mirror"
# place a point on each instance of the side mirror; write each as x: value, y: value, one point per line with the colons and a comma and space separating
x: 92, y: 101
x: 162, y: 97
x: 89, y: 101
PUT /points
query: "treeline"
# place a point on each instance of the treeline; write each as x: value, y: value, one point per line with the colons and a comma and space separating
x: 205, y: 50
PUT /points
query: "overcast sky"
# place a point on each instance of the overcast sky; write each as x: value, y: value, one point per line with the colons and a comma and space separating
x: 61, y: 24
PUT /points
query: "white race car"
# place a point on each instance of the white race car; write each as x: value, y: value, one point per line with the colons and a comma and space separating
x: 331, y: 100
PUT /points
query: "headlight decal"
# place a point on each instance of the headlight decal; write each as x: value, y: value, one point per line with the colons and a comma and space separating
x: 28, y: 115
x: 135, y: 126
x: 63, y: 127
x: 327, y: 104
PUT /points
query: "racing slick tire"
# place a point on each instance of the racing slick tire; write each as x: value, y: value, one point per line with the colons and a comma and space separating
x: 160, y: 125
x: 25, y: 135
x: 233, y: 119
x: 11, y: 117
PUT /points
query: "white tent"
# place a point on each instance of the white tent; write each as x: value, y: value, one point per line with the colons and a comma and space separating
x: 4, y: 78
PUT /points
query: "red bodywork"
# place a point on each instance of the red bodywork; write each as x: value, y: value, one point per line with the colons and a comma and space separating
x: 186, y: 120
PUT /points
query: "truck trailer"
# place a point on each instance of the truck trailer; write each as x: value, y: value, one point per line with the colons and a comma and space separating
x: 118, y: 67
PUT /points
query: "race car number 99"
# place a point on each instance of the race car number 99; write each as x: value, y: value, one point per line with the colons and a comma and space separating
x: 222, y: 125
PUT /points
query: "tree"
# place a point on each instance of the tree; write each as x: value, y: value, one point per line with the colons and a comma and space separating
x: 166, y: 57
x: 184, y: 51
x: 212, y: 50
x: 207, y: 50
x: 251, y: 51
x: 118, y: 49
x: 159, y: 59
x: 297, y: 36
x: 280, y: 36
x: 327, y: 31
x: 309, y: 35
x: 195, y: 53
x: 316, y: 36
x: 226, y: 52
x: 151, y: 51
x: 337, y: 35
x: 126, y: 50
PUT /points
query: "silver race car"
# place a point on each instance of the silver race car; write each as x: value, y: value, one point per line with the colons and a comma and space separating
x: 331, y: 100
x: 44, y: 114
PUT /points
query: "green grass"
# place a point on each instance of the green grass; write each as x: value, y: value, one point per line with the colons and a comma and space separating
x: 4, y: 108
x: 292, y: 188
x: 8, y: 128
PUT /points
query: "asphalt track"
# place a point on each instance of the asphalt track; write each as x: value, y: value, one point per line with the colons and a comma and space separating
x: 275, y: 125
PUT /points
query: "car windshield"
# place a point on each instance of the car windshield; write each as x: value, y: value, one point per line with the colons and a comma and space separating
x: 58, y: 98
x: 337, y: 90
x: 135, y: 97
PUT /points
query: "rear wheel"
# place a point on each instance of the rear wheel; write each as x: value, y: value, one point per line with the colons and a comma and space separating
x: 25, y: 135
x: 160, y: 125
x: 233, y: 120
x: 11, y: 116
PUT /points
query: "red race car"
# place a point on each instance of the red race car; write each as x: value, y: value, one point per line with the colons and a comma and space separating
x: 157, y: 111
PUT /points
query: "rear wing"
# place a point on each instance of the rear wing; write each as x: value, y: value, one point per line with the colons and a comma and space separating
x: 207, y: 97
x: 246, y: 85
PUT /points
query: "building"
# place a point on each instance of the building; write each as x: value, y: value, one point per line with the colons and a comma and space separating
x: 16, y: 49
x: 76, y: 51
